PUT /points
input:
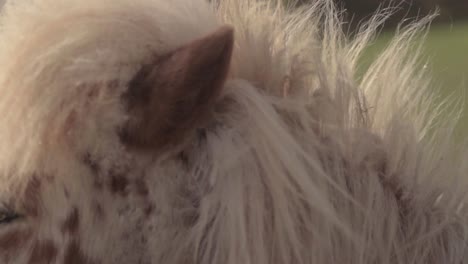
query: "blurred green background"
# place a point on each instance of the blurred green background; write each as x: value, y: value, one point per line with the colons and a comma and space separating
x: 445, y: 49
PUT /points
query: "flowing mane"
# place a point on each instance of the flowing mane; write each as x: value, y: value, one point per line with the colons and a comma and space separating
x: 298, y: 160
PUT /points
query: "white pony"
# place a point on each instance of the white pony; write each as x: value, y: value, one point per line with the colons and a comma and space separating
x: 183, y: 132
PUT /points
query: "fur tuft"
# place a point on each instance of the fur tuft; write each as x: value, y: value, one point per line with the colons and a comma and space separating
x: 304, y: 163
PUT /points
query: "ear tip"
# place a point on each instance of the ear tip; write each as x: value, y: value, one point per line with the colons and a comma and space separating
x: 226, y: 33
x: 226, y: 30
x: 194, y: 75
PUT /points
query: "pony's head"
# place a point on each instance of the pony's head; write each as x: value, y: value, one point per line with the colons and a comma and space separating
x: 228, y: 132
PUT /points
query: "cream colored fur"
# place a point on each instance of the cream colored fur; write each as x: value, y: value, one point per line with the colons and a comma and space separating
x: 307, y: 164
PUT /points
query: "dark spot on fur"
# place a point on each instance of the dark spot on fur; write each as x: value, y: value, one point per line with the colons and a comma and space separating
x: 14, y: 240
x: 202, y: 135
x: 184, y: 159
x: 391, y: 185
x: 97, y: 210
x: 66, y: 192
x: 69, y: 122
x: 91, y: 164
x: 113, y: 84
x: 71, y: 224
x: 74, y: 255
x: 49, y: 178
x: 149, y: 209
x: 93, y: 91
x: 118, y: 184
x: 43, y: 252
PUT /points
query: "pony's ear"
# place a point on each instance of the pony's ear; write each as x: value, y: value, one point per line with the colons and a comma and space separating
x: 174, y: 94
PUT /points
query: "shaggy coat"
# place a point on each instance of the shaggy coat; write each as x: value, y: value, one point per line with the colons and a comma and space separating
x: 229, y: 132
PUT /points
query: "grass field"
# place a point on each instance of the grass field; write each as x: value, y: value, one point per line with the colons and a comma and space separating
x: 446, y: 50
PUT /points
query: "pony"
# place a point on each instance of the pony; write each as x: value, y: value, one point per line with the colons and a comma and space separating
x: 234, y: 131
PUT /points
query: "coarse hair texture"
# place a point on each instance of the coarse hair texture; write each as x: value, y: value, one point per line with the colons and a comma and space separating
x: 340, y: 170
x: 307, y: 164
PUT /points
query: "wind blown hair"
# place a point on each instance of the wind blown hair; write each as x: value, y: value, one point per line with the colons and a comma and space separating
x: 327, y: 168
x: 305, y: 163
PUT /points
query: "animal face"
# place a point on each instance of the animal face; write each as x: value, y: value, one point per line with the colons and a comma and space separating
x: 152, y: 131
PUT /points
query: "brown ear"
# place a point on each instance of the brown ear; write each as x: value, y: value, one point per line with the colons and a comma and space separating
x: 171, y: 96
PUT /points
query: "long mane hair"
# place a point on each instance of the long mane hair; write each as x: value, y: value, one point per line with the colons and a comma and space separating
x: 306, y: 162
x: 327, y: 168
